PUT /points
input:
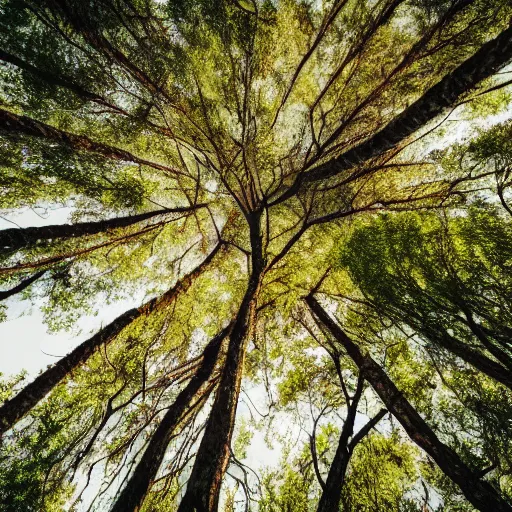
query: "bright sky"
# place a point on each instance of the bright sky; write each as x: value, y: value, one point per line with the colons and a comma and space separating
x: 30, y: 346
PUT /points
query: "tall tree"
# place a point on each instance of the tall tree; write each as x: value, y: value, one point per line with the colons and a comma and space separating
x: 260, y: 128
x: 443, y: 279
x: 479, y: 493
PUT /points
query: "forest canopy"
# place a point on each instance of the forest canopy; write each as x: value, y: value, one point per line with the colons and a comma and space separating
x: 300, y: 212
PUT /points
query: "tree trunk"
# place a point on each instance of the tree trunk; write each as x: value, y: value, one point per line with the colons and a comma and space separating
x: 20, y: 287
x: 20, y: 405
x: 331, y: 495
x: 13, y: 124
x: 203, y: 488
x: 471, y: 356
x: 479, y: 493
x: 485, y: 62
x: 13, y: 239
x: 491, y: 57
x: 137, y: 487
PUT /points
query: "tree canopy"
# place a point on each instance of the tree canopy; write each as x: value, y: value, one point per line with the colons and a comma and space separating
x: 305, y: 210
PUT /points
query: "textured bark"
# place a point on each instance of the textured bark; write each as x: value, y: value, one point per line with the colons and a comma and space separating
x: 21, y: 404
x: 203, y: 488
x: 331, y: 495
x: 17, y: 238
x: 479, y: 493
x: 75, y: 253
x: 491, y: 57
x: 13, y: 124
x: 132, y: 496
x: 21, y: 286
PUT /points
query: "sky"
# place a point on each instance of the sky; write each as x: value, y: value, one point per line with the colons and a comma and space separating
x: 30, y: 346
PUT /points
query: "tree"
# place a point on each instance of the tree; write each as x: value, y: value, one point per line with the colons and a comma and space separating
x: 443, y: 280
x: 215, y: 155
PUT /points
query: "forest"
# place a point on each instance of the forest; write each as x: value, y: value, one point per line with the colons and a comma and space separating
x: 277, y: 237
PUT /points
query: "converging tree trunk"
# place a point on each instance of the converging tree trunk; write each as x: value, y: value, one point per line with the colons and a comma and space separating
x: 484, y: 63
x: 75, y: 253
x: 12, y: 124
x: 262, y: 127
x: 13, y: 239
x: 139, y: 483
x: 203, y: 488
x: 21, y: 404
x: 479, y: 493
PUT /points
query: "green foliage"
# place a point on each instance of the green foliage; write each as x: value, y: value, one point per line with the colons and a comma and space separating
x: 218, y: 106
x: 30, y: 476
x: 436, y: 275
x: 292, y: 494
x: 381, y: 473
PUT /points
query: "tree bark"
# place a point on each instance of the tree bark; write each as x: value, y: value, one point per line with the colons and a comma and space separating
x: 132, y: 496
x: 203, y: 488
x: 491, y: 57
x: 21, y: 404
x: 13, y: 239
x: 13, y: 124
x: 21, y: 286
x: 331, y: 495
x: 479, y: 493
x: 50, y: 260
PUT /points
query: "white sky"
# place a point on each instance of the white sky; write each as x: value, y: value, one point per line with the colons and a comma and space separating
x: 25, y: 334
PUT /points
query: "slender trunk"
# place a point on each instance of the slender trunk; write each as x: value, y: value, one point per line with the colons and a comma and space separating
x: 502, y: 200
x: 471, y: 356
x: 13, y: 124
x: 45, y: 262
x: 485, y: 62
x: 21, y: 404
x: 331, y: 495
x: 17, y: 238
x: 480, y: 494
x: 491, y: 57
x: 330, y: 499
x: 137, y: 487
x: 20, y: 287
x: 203, y: 488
